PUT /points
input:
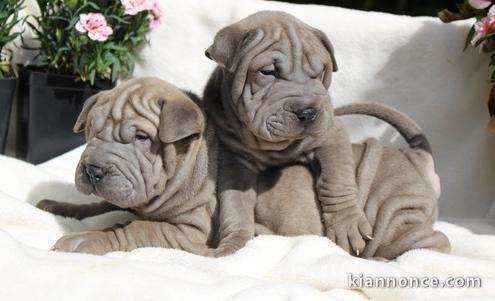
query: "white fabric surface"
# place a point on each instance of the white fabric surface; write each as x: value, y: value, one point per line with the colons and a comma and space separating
x: 268, y: 268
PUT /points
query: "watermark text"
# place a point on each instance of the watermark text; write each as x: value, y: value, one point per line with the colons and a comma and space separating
x: 363, y: 281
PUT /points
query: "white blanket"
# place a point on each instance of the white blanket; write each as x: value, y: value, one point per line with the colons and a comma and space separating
x: 268, y: 268
x: 415, y: 64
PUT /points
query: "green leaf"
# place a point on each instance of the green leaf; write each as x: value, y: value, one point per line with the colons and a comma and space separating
x: 82, y: 62
x: 72, y: 23
x: 86, y: 5
x: 119, y: 19
x: 469, y: 37
x: 57, y: 18
x: 115, y: 65
x: 92, y: 76
x: 130, y: 62
x: 60, y: 52
x: 112, y: 46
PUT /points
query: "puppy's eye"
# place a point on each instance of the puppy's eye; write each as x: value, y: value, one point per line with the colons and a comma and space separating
x: 141, y: 137
x: 268, y: 71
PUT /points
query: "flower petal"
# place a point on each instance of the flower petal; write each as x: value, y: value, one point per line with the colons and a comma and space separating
x: 133, y: 7
x: 480, y: 4
x: 80, y: 27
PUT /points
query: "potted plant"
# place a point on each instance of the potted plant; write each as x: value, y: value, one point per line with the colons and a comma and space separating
x: 482, y: 35
x: 9, y: 18
x: 84, y: 47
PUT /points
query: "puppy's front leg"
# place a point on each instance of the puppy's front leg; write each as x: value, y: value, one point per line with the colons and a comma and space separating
x: 136, y: 234
x: 237, y: 198
x: 343, y: 217
x: 77, y: 211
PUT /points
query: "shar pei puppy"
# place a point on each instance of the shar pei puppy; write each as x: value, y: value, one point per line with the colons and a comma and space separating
x: 398, y: 191
x: 269, y: 101
x: 268, y: 98
x: 149, y: 151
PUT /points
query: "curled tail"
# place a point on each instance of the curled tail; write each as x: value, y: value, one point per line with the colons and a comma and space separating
x: 407, y: 127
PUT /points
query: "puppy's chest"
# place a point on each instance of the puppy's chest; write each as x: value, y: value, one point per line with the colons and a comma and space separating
x: 259, y: 155
x: 259, y: 160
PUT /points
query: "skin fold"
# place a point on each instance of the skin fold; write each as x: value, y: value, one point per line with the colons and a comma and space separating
x: 400, y: 205
x: 150, y: 152
x: 282, y: 164
x: 268, y: 99
x: 397, y: 189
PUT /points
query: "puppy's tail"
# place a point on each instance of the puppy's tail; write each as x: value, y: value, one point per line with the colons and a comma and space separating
x: 407, y: 127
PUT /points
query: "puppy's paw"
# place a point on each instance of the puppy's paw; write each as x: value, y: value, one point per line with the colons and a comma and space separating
x: 221, y: 252
x: 229, y: 248
x: 62, y: 209
x: 91, y: 242
x: 49, y: 206
x: 351, y: 230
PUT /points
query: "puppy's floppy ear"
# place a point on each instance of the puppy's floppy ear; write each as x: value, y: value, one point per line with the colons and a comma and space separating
x: 227, y: 45
x: 328, y: 45
x: 88, y: 105
x: 180, y: 118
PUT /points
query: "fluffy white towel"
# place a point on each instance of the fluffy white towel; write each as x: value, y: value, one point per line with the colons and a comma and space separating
x: 268, y: 268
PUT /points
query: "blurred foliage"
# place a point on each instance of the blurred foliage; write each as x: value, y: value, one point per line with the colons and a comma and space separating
x: 9, y: 18
x: 400, y: 7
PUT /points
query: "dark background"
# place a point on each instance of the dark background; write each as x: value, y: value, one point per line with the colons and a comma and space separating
x: 401, y: 7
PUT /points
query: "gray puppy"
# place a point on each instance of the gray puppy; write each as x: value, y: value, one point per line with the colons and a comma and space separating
x: 269, y: 101
x: 148, y: 134
x: 398, y: 190
x: 149, y: 151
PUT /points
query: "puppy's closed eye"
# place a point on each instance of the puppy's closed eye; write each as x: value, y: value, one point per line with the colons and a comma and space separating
x: 269, y: 71
x: 141, y: 137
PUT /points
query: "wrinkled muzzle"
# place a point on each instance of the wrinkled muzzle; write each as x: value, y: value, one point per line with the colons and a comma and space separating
x: 288, y: 113
x: 113, y: 172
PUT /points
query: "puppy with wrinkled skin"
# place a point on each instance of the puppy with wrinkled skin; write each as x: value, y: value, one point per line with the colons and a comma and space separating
x: 398, y: 191
x: 269, y: 101
x: 148, y: 151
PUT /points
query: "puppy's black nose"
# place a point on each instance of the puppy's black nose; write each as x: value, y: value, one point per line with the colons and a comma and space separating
x: 95, y: 173
x: 207, y: 53
x: 307, y: 115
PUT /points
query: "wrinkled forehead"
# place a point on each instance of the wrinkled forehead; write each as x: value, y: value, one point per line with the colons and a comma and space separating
x: 120, y: 117
x: 291, y: 45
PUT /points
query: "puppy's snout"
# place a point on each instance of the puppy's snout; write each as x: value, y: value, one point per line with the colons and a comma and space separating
x: 307, y: 115
x: 207, y: 53
x: 95, y: 173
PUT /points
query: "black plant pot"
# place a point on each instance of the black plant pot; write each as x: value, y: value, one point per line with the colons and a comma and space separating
x: 7, y: 90
x: 48, y: 108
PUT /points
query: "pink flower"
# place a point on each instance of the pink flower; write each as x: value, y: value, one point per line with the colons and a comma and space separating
x: 480, y: 4
x: 133, y: 7
x: 95, y: 25
x: 481, y: 29
x: 485, y: 26
x: 156, y: 13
